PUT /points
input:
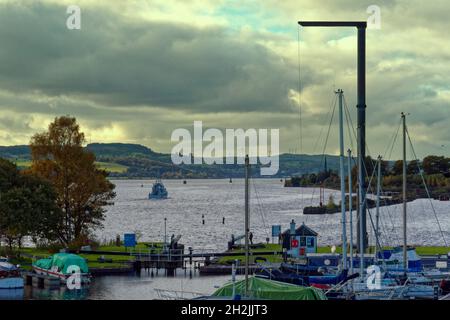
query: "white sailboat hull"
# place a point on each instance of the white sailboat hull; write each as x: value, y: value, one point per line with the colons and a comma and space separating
x: 85, y: 278
x: 11, y: 283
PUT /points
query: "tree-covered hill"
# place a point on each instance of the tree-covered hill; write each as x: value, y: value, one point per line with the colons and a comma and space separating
x: 134, y: 160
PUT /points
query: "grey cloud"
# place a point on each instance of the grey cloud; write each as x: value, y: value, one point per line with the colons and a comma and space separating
x: 117, y: 62
x: 151, y: 77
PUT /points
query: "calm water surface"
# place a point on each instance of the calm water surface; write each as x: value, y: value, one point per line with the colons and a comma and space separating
x: 127, y: 287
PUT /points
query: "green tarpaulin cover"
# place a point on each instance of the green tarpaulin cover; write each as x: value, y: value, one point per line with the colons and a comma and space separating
x: 63, y: 261
x: 272, y: 290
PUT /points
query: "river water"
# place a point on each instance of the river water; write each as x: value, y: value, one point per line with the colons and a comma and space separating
x: 270, y: 204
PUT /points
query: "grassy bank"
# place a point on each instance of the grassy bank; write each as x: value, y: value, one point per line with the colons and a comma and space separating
x: 421, y: 250
x: 26, y: 256
x: 228, y: 260
x: 108, y: 166
x: 112, y: 167
x: 267, y: 247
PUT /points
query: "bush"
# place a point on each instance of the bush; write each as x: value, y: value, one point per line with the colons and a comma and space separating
x: 331, y: 205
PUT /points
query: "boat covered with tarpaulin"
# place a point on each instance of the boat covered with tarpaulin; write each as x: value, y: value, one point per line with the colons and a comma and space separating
x: 266, y: 289
x: 62, y: 266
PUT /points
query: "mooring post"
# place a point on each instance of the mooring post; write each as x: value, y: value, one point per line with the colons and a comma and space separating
x: 137, y: 266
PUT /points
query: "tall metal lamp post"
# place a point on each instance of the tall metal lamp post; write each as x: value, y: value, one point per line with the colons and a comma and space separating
x: 361, y: 107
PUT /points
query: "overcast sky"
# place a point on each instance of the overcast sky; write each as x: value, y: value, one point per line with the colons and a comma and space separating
x: 137, y: 70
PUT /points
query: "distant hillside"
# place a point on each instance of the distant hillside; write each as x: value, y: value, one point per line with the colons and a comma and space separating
x: 15, y: 152
x: 134, y: 160
x: 119, y: 150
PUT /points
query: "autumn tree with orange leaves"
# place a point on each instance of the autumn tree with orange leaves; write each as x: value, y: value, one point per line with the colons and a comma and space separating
x: 82, y: 188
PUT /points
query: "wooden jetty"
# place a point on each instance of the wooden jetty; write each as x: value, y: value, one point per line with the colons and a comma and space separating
x: 41, y: 281
x: 127, y: 269
x: 218, y: 269
x: 176, y: 258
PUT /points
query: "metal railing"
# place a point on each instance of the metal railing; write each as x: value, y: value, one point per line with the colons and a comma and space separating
x: 164, y: 294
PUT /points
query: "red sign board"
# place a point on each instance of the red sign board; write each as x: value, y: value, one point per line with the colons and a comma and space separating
x: 294, y: 243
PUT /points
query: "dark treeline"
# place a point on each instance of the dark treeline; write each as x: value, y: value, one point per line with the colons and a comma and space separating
x: 435, y: 169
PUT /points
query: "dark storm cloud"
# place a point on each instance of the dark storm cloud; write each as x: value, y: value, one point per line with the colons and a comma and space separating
x: 139, y: 69
x: 117, y: 62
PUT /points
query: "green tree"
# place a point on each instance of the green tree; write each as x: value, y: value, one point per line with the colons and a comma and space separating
x: 397, y: 168
x: 82, y: 188
x: 369, y: 167
x: 436, y: 164
x: 27, y: 206
x: 331, y: 205
x: 413, y: 167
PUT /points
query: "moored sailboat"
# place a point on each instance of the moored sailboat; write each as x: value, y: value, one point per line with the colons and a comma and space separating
x: 9, y: 275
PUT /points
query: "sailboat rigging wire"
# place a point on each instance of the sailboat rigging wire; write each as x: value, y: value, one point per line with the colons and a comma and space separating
x: 393, y: 139
x: 391, y: 220
x: 368, y: 151
x: 259, y: 207
x: 377, y: 243
x: 298, y: 91
x: 384, y: 226
x: 426, y: 187
x: 369, y: 189
x: 299, y: 102
x: 328, y: 133
x: 324, y: 148
x: 330, y: 110
x: 389, y: 212
x: 389, y: 148
x: 354, y: 132
x: 351, y: 128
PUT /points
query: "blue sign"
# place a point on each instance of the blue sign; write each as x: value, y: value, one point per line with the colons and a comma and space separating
x: 276, y: 230
x: 129, y: 239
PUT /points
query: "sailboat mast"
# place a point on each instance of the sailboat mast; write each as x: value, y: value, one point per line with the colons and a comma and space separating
x: 350, y: 200
x: 405, y: 250
x: 377, y: 215
x: 247, y: 222
x: 342, y: 173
